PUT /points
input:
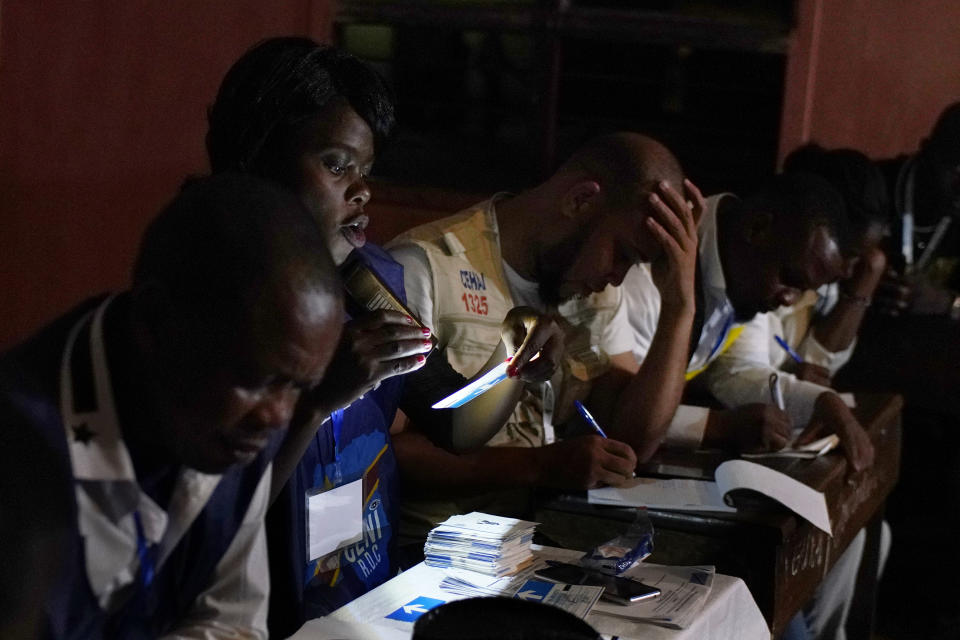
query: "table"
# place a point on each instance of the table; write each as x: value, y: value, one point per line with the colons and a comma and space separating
x: 781, y: 557
x: 729, y: 613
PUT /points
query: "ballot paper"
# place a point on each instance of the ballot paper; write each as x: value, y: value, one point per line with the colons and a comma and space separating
x: 575, y: 599
x: 481, y: 385
x: 665, y: 494
x: 478, y: 387
x: 480, y: 542
x: 808, y: 451
x: 701, y: 495
x: 683, y: 592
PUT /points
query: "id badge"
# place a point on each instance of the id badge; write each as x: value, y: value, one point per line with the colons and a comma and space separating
x: 334, y: 519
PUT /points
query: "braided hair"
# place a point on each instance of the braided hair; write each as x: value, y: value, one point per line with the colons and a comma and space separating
x: 274, y: 89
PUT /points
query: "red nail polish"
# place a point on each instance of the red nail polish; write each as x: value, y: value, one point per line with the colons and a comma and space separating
x: 425, y: 331
x: 427, y: 343
x: 512, y: 371
x: 409, y: 320
x: 421, y: 358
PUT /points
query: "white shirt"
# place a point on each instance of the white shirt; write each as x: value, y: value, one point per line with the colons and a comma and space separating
x: 643, y: 312
x: 108, y: 496
x: 741, y: 374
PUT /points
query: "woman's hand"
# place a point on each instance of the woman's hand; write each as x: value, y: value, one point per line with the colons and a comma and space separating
x: 527, y: 333
x: 372, y: 348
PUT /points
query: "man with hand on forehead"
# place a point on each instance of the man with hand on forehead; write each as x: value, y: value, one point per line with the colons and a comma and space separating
x: 167, y: 403
x: 561, y: 247
x: 755, y: 255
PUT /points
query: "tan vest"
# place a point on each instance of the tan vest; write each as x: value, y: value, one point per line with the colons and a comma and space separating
x: 470, y: 299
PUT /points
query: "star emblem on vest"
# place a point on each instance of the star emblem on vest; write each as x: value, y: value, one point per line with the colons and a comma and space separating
x: 83, y: 433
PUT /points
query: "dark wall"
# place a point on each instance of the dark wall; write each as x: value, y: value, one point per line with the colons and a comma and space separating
x: 870, y: 74
x: 102, y: 115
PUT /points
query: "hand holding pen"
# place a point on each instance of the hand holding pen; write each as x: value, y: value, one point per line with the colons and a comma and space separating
x: 805, y: 370
x: 588, y: 417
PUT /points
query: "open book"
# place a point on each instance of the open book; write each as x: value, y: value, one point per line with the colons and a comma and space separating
x: 704, y: 495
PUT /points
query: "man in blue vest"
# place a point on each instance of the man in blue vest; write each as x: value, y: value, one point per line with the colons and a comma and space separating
x: 167, y: 402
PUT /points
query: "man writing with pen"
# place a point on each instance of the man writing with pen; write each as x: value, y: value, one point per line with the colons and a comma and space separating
x: 561, y: 247
x: 808, y: 341
x: 755, y: 254
x: 806, y: 337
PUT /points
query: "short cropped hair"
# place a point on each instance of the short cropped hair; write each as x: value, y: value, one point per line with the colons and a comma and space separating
x: 804, y: 200
x: 226, y: 237
x: 275, y: 88
x: 855, y: 177
x: 624, y: 159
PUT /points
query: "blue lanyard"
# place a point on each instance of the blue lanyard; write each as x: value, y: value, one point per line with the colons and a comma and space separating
x: 337, y: 477
x: 723, y: 334
x: 147, y: 568
x: 337, y: 418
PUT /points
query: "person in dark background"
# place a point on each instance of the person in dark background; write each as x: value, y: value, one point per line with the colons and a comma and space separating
x: 167, y: 402
x: 822, y: 329
x: 756, y: 254
x: 924, y: 188
x: 313, y: 118
x: 910, y: 344
x: 35, y: 523
x: 822, y: 326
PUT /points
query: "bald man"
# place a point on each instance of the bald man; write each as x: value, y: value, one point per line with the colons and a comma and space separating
x: 562, y: 246
x: 167, y: 402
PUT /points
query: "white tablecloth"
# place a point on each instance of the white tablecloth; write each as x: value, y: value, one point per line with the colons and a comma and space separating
x: 730, y: 613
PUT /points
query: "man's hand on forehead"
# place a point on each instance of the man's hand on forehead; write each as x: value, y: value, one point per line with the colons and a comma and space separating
x: 674, y: 224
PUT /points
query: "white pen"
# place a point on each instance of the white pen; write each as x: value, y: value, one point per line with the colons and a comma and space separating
x: 775, y: 393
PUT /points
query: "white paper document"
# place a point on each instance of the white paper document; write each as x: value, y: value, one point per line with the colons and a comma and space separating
x: 793, y: 494
x: 334, y: 519
x: 808, y: 451
x: 396, y: 605
x: 683, y: 592
x: 479, y: 386
x: 575, y: 599
x: 700, y: 495
x: 657, y: 493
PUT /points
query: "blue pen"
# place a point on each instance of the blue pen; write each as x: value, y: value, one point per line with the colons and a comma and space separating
x: 786, y: 347
x: 589, y: 418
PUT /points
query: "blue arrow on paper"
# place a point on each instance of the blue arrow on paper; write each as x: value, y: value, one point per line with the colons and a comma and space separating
x: 414, y: 609
x: 535, y: 590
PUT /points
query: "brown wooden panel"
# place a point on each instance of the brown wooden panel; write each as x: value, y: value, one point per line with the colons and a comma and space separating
x: 102, y: 115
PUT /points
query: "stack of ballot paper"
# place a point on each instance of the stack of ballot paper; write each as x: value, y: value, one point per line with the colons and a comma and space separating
x: 493, y: 545
x: 524, y: 585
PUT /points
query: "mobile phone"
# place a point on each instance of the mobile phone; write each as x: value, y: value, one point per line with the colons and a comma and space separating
x: 615, y: 588
x: 367, y: 292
